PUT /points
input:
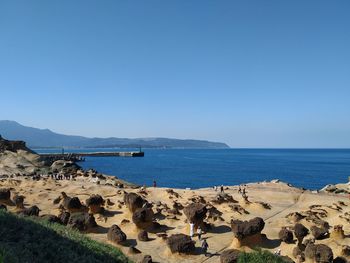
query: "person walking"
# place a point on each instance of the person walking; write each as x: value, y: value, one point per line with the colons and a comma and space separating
x: 154, y: 183
x: 205, y: 247
x: 199, y: 233
x: 191, y: 230
x: 222, y: 189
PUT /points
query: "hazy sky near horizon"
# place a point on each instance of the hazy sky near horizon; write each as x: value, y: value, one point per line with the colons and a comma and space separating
x: 248, y: 73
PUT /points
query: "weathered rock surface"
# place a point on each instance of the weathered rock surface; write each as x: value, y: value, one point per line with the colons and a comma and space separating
x: 143, y: 236
x: 286, y: 235
x: 133, y: 201
x: 196, y: 213
x: 95, y: 203
x: 180, y: 243
x: 143, y: 217
x: 300, y: 231
x: 116, y: 235
x: 82, y: 221
x: 242, y: 229
x: 320, y: 253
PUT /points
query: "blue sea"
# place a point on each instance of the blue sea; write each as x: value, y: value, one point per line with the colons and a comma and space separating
x: 197, y: 168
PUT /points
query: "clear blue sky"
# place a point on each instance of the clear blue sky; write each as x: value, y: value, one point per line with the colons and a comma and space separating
x: 249, y: 73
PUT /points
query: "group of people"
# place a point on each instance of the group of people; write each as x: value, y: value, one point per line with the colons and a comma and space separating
x: 243, y: 192
x: 60, y: 176
x: 204, y: 244
x: 221, y: 188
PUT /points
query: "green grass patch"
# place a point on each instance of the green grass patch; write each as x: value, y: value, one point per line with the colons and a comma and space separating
x: 33, y: 240
x: 259, y: 256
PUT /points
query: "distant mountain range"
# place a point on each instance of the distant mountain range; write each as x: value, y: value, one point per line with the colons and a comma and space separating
x: 46, y: 138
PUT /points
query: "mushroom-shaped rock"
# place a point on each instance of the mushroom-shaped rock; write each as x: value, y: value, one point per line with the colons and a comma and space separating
x: 143, y: 217
x: 319, y: 233
x: 242, y: 229
x: 286, y: 235
x: 180, y: 243
x: 147, y: 259
x: 31, y: 211
x: 196, y: 213
x: 64, y: 217
x: 320, y: 253
x: 300, y: 232
x: 247, y: 233
x: 116, y: 235
x: 5, y: 195
x: 229, y: 256
x: 143, y: 236
x: 133, y: 201
x: 82, y: 221
x: 18, y: 200
x: 72, y: 204
x: 95, y: 203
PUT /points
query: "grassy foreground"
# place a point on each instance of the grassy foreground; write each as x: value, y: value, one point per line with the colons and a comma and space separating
x: 32, y: 240
x: 259, y: 256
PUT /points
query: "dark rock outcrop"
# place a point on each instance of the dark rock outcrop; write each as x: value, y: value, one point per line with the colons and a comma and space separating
x: 180, y: 243
x: 64, y: 217
x: 31, y: 211
x: 229, y: 256
x: 116, y: 235
x: 82, y: 221
x: 143, y: 217
x: 196, y: 213
x: 13, y: 146
x: 300, y: 232
x: 340, y: 260
x: 3, y: 207
x: 5, y: 195
x: 319, y: 233
x: 133, y: 201
x: 320, y: 253
x: 95, y: 203
x: 72, y: 204
x: 18, y: 200
x: 286, y: 235
x: 143, y: 236
x: 242, y: 229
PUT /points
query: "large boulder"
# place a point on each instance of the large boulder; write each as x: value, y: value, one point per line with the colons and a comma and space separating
x: 95, y: 203
x: 229, y: 256
x: 5, y: 196
x: 319, y: 253
x: 31, y: 211
x: 143, y: 236
x: 180, y: 243
x: 143, y: 217
x: 64, y: 217
x: 300, y: 231
x: 286, y: 235
x: 82, y: 221
x: 133, y: 201
x: 319, y: 233
x: 18, y: 200
x: 196, y: 213
x: 116, y: 235
x: 242, y: 229
x: 72, y: 204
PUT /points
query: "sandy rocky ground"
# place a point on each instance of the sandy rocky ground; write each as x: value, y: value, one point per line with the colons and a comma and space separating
x: 162, y: 213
